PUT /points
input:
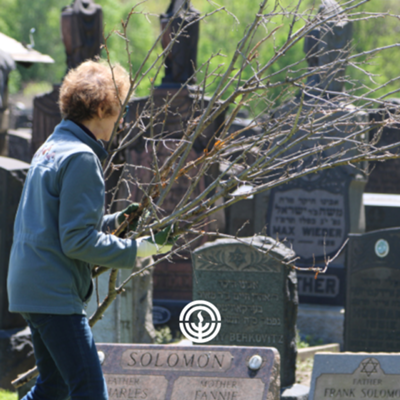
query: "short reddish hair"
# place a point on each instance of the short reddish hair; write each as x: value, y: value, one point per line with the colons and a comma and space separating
x: 90, y: 86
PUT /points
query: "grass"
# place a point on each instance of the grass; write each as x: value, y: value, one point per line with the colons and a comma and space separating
x: 6, y: 395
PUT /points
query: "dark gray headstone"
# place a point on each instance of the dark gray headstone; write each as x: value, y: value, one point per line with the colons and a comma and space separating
x: 373, y: 292
x: 12, y: 177
x: 255, y: 293
x: 46, y: 116
x: 192, y: 372
x: 314, y: 215
x: 384, y: 177
x: 355, y: 376
x: 382, y: 211
x: 19, y: 144
x: 172, y: 281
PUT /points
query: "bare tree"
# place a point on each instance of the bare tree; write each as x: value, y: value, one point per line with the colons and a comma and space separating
x: 307, y: 126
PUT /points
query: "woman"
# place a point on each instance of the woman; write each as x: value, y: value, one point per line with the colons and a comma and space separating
x: 60, y: 232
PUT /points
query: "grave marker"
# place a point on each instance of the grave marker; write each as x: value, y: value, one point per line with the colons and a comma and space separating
x: 355, y: 376
x: 373, y: 292
x: 195, y: 372
x: 384, y: 176
x: 255, y: 293
x: 12, y: 177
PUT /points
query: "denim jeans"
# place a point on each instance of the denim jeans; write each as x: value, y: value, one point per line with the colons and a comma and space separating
x: 66, y: 358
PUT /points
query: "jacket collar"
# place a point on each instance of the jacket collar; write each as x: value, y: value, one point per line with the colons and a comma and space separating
x: 95, y: 145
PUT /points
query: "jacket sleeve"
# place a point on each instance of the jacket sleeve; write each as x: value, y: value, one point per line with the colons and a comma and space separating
x: 81, y: 216
x: 108, y: 223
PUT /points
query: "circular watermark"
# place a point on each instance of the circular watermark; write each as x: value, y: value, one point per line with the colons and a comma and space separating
x: 200, y: 331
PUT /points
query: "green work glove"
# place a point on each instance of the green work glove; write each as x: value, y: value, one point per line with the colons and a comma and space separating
x: 162, y: 243
x: 124, y: 214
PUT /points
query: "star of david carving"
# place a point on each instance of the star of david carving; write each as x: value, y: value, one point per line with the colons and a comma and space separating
x: 369, y: 366
x: 237, y: 257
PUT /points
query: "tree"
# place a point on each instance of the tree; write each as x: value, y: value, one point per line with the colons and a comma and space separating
x: 298, y: 138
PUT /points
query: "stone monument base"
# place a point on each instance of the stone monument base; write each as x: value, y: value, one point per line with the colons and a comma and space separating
x: 321, y: 322
x: 295, y: 392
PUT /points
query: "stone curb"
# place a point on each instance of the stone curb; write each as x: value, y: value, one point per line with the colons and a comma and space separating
x: 308, y: 352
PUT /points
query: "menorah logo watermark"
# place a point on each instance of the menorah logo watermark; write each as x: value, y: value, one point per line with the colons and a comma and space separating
x: 200, y: 331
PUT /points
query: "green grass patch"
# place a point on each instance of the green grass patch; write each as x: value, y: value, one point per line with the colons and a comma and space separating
x: 6, y: 395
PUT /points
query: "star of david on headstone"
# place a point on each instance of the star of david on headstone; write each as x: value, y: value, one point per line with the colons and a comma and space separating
x: 237, y: 257
x: 369, y: 366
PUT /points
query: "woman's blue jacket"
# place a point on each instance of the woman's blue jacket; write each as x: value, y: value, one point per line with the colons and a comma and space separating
x: 60, y: 229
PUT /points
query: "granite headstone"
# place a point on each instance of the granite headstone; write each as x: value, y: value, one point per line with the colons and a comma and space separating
x: 172, y: 281
x: 129, y: 318
x: 12, y: 178
x: 373, y: 292
x: 355, y: 376
x: 314, y: 215
x: 384, y: 177
x: 255, y: 293
x: 195, y: 372
x: 82, y: 31
x: 19, y: 144
x: 15, y: 346
x: 382, y: 211
x: 46, y: 116
x: 180, y: 63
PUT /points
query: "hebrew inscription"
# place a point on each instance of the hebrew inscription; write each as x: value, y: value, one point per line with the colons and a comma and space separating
x: 312, y: 221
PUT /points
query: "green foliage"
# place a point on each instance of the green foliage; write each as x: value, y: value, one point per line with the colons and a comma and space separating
x: 307, y: 341
x: 163, y: 335
x: 34, y: 88
x: 6, y: 395
x: 219, y: 33
x: 14, y: 81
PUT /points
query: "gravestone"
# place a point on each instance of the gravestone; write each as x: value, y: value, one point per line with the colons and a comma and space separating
x: 384, y: 177
x: 19, y: 144
x: 382, y: 211
x: 172, y: 281
x: 82, y: 31
x: 373, y: 292
x: 355, y: 376
x: 46, y: 116
x: 129, y: 318
x: 241, y: 217
x: 12, y: 178
x: 195, y: 372
x: 15, y: 347
x: 255, y: 293
x: 82, y: 35
x: 315, y: 213
x: 180, y: 63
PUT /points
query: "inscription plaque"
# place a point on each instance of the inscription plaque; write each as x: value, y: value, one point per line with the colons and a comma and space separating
x: 373, y: 292
x: 255, y: 293
x: 312, y: 214
x: 355, y: 376
x: 156, y: 372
